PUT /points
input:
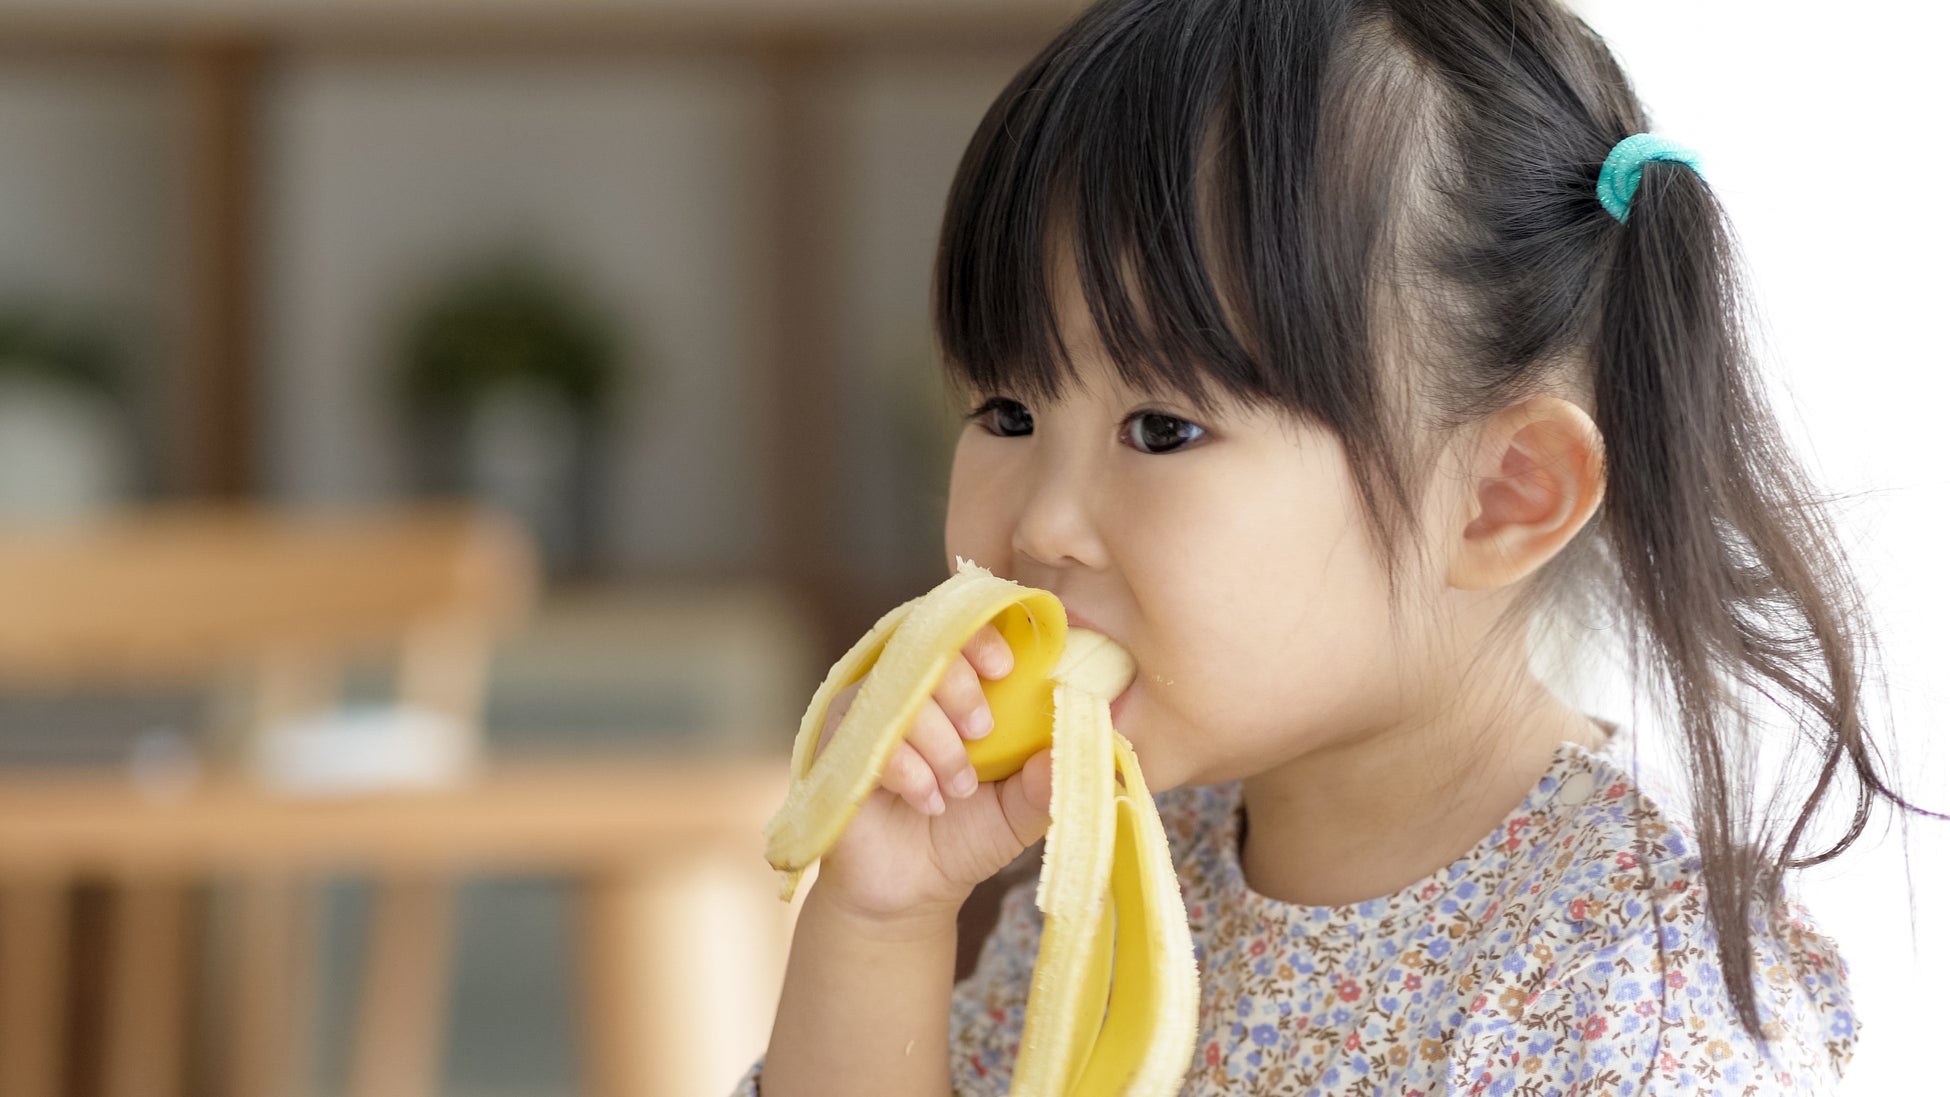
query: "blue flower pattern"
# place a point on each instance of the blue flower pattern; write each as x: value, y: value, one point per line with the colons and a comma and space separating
x: 1567, y: 953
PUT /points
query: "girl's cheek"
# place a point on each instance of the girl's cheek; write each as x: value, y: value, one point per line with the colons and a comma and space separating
x: 980, y: 516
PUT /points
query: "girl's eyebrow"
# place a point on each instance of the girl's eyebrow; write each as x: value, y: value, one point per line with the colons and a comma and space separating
x: 1147, y: 389
x: 1166, y: 394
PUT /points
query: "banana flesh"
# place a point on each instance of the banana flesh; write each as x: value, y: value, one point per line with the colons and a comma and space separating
x: 1113, y: 999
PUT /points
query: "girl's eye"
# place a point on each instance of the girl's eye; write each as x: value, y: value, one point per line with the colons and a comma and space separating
x: 1151, y: 432
x: 1156, y: 432
x: 1010, y: 411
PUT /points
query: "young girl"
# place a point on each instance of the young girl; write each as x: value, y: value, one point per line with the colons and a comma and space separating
x: 1313, y: 350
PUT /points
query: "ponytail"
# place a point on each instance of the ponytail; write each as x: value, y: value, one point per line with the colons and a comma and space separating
x: 1723, y: 550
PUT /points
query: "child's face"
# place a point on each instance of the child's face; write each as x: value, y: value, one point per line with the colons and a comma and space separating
x: 1234, y: 568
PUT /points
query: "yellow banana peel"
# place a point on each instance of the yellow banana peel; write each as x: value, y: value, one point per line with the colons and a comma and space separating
x: 1113, y: 999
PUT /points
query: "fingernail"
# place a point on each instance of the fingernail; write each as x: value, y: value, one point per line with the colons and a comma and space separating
x: 981, y: 723
x: 999, y: 661
x: 935, y: 804
x: 964, y: 784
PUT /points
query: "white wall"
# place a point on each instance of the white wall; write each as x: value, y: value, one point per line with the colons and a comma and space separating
x: 1821, y: 127
x: 84, y: 197
x: 635, y: 175
x: 906, y: 121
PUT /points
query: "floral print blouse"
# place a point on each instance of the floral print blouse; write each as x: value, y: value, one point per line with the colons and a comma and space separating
x: 1564, y: 954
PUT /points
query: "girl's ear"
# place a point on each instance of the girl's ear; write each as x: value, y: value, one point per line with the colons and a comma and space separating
x: 1534, y: 476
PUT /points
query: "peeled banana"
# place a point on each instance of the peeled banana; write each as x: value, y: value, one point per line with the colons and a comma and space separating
x: 1113, y: 999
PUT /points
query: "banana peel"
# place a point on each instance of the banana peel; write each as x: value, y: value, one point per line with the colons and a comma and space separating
x: 1113, y: 999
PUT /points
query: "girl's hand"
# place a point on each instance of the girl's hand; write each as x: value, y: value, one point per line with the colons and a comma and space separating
x: 898, y: 859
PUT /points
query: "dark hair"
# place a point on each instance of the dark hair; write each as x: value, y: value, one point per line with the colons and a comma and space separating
x: 1274, y: 197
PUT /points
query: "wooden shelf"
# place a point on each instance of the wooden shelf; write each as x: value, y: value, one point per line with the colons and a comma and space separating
x: 662, y: 854
x: 517, y: 815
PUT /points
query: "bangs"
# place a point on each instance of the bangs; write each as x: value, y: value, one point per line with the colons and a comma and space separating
x: 1172, y: 159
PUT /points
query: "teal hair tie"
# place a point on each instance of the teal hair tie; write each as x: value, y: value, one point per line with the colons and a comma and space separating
x: 1619, y: 179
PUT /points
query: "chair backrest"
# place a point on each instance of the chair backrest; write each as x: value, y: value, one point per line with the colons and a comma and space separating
x: 280, y: 599
x: 277, y: 601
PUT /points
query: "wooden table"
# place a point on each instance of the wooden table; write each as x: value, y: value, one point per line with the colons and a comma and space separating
x: 623, y: 829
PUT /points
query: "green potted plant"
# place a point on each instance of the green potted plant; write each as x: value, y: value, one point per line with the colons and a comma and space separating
x: 507, y: 375
x: 64, y: 446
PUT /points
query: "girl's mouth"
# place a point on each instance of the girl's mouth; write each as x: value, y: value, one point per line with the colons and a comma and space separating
x: 1118, y: 703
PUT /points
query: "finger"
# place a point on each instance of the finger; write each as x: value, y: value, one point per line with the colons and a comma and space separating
x: 910, y: 777
x: 935, y: 737
x: 989, y: 653
x: 959, y: 694
x: 1024, y: 798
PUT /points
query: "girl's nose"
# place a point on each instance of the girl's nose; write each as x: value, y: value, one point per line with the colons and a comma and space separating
x: 1057, y: 524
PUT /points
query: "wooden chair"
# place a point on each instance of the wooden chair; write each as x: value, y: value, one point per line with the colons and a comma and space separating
x: 267, y: 608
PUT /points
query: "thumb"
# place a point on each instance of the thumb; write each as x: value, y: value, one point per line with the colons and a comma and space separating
x: 1025, y: 799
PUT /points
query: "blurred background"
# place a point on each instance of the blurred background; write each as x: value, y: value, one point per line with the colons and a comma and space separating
x: 443, y: 445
